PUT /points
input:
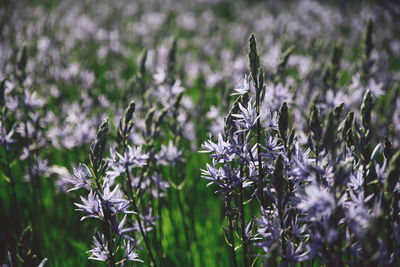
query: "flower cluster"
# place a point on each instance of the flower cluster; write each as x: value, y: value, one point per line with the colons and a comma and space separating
x: 302, y: 150
x: 106, y: 203
x: 321, y: 199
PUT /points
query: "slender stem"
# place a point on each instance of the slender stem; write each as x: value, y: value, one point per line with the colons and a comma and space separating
x: 141, y: 192
x: 12, y: 181
x: 35, y: 219
x: 260, y: 167
x: 389, y: 228
x: 175, y: 229
x: 136, y: 210
x: 106, y: 223
x: 242, y: 215
x: 243, y: 223
x: 194, y: 239
x: 365, y: 177
x: 38, y: 182
x: 182, y: 210
x: 233, y: 252
x: 106, y: 227
x: 160, y: 232
x: 316, y: 162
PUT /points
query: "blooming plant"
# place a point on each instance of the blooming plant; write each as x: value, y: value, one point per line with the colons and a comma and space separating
x: 321, y: 200
x: 138, y: 133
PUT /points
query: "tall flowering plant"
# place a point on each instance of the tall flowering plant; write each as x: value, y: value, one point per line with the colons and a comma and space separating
x: 320, y: 200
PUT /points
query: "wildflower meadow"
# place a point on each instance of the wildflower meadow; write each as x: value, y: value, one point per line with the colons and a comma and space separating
x: 199, y: 133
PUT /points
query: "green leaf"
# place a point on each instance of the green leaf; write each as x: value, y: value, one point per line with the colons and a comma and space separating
x: 4, y: 176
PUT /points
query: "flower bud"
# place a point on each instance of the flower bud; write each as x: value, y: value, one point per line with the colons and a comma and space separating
x: 283, y: 122
x: 254, y: 59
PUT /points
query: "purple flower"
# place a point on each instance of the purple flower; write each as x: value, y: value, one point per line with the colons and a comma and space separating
x: 244, y: 86
x: 220, y: 151
x: 270, y: 119
x: 99, y: 251
x: 6, y: 138
x: 247, y: 119
x: 79, y: 178
x: 317, y: 203
x: 169, y: 154
x: 119, y: 229
x: 304, y: 167
x: 132, y: 157
x: 114, y: 171
x: 161, y: 185
x: 32, y: 100
x: 225, y: 178
x: 271, y: 147
x: 293, y: 254
x: 91, y: 206
x: 148, y: 220
x: 130, y: 252
x: 356, y: 181
x: 269, y: 229
x: 112, y: 199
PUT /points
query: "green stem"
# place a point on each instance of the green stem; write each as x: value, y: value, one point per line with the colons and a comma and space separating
x: 136, y: 210
x: 260, y: 167
x: 181, y: 209
x: 106, y: 228
x: 243, y: 223
x: 14, y: 194
x: 175, y: 229
x: 233, y: 252
x: 159, y: 203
